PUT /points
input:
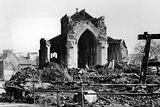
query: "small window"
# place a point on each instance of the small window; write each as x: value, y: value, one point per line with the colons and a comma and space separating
x: 54, y: 55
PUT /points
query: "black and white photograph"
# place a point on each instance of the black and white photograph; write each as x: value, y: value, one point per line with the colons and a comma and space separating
x: 79, y: 53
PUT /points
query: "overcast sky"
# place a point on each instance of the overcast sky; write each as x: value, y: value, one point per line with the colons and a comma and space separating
x: 24, y: 22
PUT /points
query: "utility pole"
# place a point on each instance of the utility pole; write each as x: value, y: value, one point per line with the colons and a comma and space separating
x: 145, y: 60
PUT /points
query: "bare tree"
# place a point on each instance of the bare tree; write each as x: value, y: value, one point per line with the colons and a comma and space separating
x: 154, y: 50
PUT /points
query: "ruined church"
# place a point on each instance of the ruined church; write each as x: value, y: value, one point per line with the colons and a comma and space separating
x: 83, y: 41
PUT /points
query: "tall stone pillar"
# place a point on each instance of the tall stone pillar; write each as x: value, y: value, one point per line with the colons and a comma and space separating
x: 48, y: 46
x: 99, y: 53
x: 104, y: 56
x: 42, y: 53
x: 72, y: 54
x: 102, y: 52
x: 1, y: 69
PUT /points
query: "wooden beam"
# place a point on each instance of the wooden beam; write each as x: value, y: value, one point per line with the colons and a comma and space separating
x: 98, y: 93
x: 131, y: 94
x: 154, y: 63
x: 151, y: 36
x: 145, y: 61
x: 151, y: 85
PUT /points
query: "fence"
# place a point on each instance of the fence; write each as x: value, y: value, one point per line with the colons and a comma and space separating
x: 142, y: 96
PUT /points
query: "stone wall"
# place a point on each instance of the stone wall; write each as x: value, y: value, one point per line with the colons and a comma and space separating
x: 117, y: 50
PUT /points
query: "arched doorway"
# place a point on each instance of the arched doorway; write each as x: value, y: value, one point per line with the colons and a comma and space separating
x: 87, y: 49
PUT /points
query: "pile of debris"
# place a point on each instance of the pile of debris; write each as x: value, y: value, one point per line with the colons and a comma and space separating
x: 20, y: 85
x: 121, y: 74
x: 107, y: 86
x: 54, y: 72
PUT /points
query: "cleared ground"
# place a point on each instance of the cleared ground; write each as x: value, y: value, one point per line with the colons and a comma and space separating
x: 18, y: 105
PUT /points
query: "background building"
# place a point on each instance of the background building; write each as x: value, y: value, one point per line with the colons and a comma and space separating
x: 117, y: 50
x: 10, y: 63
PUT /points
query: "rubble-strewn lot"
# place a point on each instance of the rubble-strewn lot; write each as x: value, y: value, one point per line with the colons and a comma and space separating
x: 109, y: 85
x: 17, y: 105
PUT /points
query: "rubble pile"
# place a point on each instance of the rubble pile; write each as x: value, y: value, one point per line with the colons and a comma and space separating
x: 107, y: 83
x: 20, y: 85
x: 54, y: 72
x: 22, y: 77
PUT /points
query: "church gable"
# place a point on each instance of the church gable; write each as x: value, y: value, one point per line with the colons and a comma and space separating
x: 82, y: 15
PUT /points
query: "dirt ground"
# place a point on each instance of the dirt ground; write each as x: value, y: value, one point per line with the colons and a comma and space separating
x: 18, y: 105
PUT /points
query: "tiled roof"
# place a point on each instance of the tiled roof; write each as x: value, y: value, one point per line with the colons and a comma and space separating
x: 10, y: 60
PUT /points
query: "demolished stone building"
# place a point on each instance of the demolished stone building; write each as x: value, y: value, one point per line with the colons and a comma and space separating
x: 83, y: 41
x: 117, y: 50
x: 10, y: 63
